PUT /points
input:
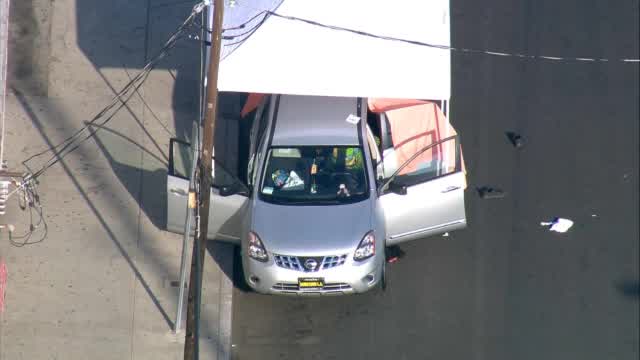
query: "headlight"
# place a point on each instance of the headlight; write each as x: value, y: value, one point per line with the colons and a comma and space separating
x: 256, y: 250
x: 366, y: 248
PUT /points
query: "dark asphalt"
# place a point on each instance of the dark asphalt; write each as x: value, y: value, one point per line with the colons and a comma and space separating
x: 505, y: 288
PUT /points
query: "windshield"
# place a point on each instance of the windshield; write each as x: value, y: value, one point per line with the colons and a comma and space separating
x: 314, y: 175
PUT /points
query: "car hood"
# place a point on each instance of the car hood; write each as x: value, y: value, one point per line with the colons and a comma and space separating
x: 311, y: 230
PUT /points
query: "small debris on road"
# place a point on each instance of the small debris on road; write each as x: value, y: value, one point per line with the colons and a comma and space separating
x: 487, y: 192
x: 515, y: 139
x: 558, y: 225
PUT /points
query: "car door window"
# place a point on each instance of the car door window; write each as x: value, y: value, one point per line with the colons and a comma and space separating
x: 181, y: 159
x: 375, y: 154
x: 433, y: 161
x: 371, y: 140
x: 255, y: 163
x: 262, y: 118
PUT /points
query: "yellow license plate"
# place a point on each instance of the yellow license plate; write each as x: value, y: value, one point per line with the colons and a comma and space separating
x: 310, y: 283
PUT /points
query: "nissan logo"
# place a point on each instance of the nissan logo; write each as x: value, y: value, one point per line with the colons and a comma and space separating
x: 310, y: 264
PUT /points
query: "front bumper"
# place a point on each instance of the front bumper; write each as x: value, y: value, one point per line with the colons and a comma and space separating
x: 350, y: 277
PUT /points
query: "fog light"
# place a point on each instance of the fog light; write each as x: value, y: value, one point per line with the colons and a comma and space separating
x: 254, y: 279
x: 368, y: 279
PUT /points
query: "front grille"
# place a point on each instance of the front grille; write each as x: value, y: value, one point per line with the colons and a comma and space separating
x: 336, y: 287
x: 328, y: 288
x: 288, y: 262
x: 333, y: 261
x: 285, y: 287
x: 297, y: 263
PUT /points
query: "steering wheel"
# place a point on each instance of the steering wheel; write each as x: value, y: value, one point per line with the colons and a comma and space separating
x: 348, y: 179
x: 346, y: 175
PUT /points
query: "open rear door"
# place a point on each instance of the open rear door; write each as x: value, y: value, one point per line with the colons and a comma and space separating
x: 426, y: 195
x: 225, y: 216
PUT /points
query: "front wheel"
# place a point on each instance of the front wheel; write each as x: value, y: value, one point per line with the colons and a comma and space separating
x: 239, y: 281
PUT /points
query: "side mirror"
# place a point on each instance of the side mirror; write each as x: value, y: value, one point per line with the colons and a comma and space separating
x: 396, y: 188
x: 232, y: 189
x: 227, y: 190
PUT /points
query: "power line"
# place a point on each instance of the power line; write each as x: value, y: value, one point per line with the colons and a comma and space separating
x: 452, y: 48
x: 267, y: 13
x: 248, y: 33
x: 71, y: 146
x: 237, y: 27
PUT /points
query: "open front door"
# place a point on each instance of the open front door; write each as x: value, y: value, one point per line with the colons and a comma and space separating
x: 225, y: 215
x: 426, y: 194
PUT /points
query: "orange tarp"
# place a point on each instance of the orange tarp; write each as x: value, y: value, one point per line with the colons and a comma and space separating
x: 252, y: 103
x: 379, y: 105
x: 414, y: 125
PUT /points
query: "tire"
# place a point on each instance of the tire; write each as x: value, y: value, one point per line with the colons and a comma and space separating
x: 239, y: 281
x: 383, y: 278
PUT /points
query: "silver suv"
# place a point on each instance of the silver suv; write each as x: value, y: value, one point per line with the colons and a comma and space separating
x: 323, y: 194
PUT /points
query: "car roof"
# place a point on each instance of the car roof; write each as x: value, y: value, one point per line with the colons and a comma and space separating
x: 315, y: 120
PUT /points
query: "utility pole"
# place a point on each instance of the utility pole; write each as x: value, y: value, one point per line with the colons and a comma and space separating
x: 192, y: 333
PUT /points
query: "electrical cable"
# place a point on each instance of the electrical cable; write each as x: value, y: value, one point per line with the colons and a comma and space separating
x: 248, y: 33
x: 32, y: 200
x: 144, y: 102
x: 59, y: 155
x: 241, y: 26
x: 268, y: 13
x: 451, y: 48
x: 67, y: 146
x: 169, y: 45
x: 237, y: 27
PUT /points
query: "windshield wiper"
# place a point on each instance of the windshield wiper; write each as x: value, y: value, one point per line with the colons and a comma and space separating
x: 309, y: 202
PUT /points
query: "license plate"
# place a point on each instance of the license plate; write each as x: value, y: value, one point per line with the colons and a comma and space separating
x: 310, y: 283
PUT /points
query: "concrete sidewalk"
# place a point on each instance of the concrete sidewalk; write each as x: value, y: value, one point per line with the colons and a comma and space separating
x: 102, y: 284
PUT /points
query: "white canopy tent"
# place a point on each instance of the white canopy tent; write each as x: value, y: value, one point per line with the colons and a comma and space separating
x: 284, y: 56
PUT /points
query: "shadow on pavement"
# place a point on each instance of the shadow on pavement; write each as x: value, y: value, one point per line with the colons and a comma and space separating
x: 29, y: 41
x: 223, y: 253
x: 68, y: 171
x: 155, y: 181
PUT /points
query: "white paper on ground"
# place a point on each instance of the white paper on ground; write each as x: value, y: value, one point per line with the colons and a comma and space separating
x: 558, y: 225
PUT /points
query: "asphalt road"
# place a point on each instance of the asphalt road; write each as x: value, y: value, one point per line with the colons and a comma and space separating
x: 505, y: 288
